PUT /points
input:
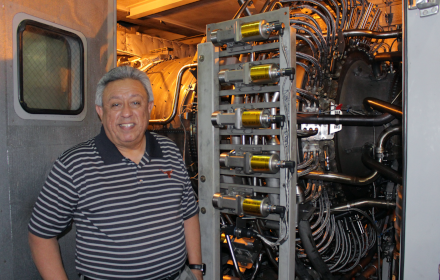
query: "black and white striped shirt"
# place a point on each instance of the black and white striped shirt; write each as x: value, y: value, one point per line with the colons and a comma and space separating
x: 129, y: 217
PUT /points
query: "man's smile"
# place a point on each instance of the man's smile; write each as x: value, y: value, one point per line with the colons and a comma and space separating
x: 126, y: 125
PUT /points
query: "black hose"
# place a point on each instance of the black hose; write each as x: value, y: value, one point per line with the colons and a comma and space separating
x: 382, y: 169
x: 349, y: 120
x: 301, y: 270
x: 305, y: 234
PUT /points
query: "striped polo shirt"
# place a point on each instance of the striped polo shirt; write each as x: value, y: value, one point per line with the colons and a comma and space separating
x: 129, y: 217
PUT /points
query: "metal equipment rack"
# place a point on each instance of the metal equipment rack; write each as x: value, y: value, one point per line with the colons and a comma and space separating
x: 212, y: 58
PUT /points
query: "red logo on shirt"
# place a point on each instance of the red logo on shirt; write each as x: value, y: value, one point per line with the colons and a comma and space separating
x: 167, y: 172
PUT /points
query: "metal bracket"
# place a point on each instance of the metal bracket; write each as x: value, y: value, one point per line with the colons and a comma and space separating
x: 426, y: 7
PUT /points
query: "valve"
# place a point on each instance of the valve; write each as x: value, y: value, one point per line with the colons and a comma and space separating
x: 246, y: 119
x: 246, y: 32
x: 251, y: 163
x: 255, y: 74
x: 240, y: 205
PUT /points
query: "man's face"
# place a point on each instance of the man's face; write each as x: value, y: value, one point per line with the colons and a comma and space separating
x: 125, y: 113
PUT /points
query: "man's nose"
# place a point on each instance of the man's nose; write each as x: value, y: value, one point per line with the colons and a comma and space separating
x: 127, y: 111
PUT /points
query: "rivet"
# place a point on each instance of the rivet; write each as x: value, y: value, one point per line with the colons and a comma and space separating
x: 203, y: 178
x: 203, y: 210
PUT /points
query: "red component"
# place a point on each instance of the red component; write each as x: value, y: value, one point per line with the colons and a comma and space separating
x: 339, y: 107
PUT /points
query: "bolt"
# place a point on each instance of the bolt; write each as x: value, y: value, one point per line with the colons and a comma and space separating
x: 203, y: 178
x: 425, y: 12
x: 201, y: 57
x: 203, y: 210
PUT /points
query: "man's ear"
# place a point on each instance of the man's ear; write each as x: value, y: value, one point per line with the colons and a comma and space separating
x: 99, y: 111
x: 150, y: 106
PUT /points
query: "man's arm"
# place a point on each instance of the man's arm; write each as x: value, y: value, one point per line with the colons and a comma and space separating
x: 47, y: 258
x: 193, y: 247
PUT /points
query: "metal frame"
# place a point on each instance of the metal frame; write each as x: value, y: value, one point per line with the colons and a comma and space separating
x: 209, y: 94
x: 47, y: 115
x: 420, y: 247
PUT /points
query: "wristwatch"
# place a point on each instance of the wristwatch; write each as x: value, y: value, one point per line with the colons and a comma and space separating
x: 201, y: 267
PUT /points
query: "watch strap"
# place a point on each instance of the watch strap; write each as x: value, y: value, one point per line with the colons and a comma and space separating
x: 201, y: 267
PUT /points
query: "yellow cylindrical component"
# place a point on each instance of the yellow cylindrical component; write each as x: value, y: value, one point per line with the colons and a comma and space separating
x: 265, y: 163
x: 252, y: 207
x: 251, y: 29
x: 251, y: 119
x: 260, y: 163
x: 265, y: 73
x: 260, y: 72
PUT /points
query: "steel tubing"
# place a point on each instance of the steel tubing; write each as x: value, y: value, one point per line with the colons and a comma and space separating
x: 375, y: 20
x: 388, y: 56
x: 380, y: 203
x: 176, y: 97
x: 382, y: 169
x: 244, y: 8
x: 385, y: 107
x: 372, y: 34
x: 349, y: 120
x: 383, y: 138
x: 342, y: 178
x: 265, y: 6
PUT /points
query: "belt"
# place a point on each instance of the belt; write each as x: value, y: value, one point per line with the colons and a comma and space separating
x: 169, y: 277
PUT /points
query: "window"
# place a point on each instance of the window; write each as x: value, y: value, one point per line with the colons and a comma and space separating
x: 50, y: 71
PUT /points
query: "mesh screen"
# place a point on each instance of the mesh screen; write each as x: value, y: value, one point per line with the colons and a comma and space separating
x: 51, y: 69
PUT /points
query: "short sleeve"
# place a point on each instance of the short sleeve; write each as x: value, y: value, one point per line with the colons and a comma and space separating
x: 56, y: 203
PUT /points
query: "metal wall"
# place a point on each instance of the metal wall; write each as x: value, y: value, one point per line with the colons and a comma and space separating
x: 421, y: 255
x: 28, y: 148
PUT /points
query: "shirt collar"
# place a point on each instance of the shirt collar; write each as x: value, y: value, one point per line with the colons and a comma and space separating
x: 111, y: 155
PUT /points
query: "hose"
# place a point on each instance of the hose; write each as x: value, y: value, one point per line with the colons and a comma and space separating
x: 382, y: 169
x: 301, y: 271
x: 358, y: 120
x: 313, y: 255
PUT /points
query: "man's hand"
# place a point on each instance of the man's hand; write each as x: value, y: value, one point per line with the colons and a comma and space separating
x: 197, y: 273
x: 47, y: 258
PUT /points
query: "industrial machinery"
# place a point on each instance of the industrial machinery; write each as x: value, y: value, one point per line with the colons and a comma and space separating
x: 290, y: 126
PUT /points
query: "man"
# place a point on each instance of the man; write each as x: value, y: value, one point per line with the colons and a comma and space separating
x: 128, y: 192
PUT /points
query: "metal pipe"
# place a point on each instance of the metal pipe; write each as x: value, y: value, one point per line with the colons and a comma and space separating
x: 372, y: 34
x: 366, y: 16
x: 375, y: 20
x: 383, y: 138
x: 274, y: 4
x: 266, y: 4
x: 244, y: 8
x: 380, y: 203
x: 380, y: 105
x: 350, y: 19
x: 349, y: 120
x: 382, y: 169
x: 388, y: 56
x: 176, y: 97
x: 257, y: 266
x: 342, y: 178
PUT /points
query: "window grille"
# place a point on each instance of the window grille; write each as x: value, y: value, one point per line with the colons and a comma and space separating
x: 50, y: 69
